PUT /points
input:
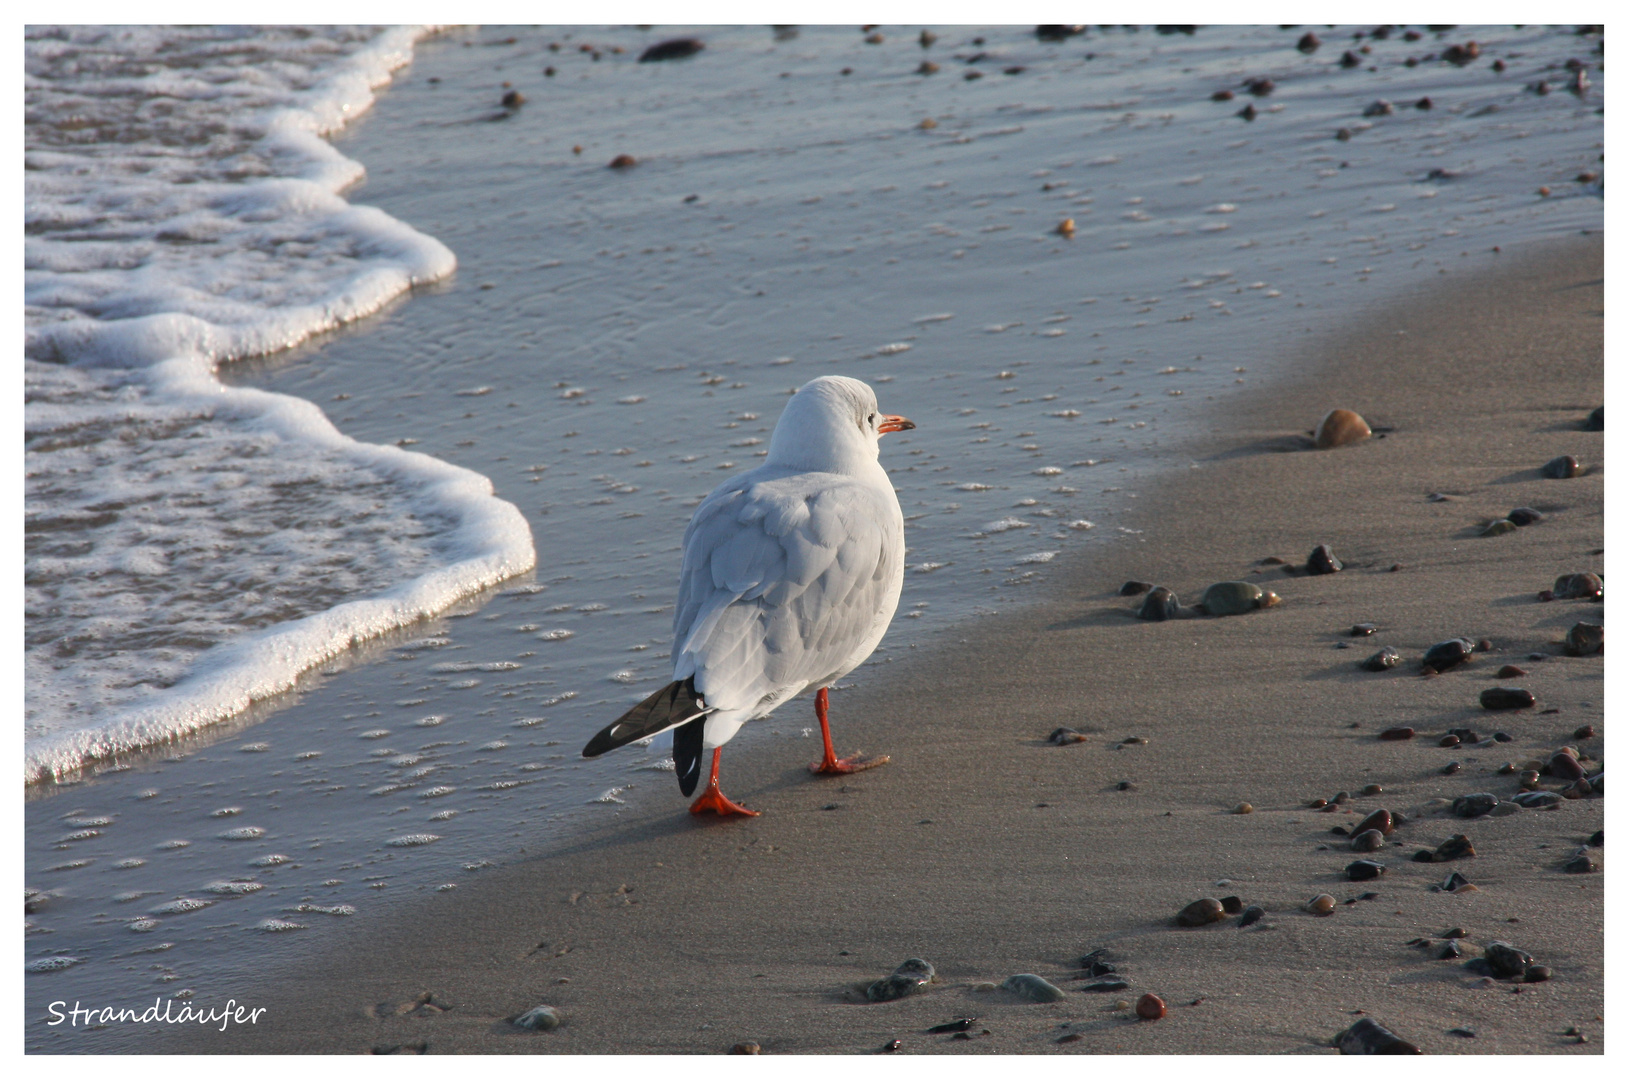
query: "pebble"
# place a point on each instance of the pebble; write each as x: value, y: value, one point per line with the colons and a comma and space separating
x: 540, y: 1018
x: 1364, y: 629
x: 1523, y: 516
x: 1453, y: 883
x: 1463, y: 1033
x: 513, y: 99
x: 1323, y: 561
x: 1445, y: 654
x: 1161, y: 604
x: 1385, y: 660
x: 907, y: 979
x: 1562, y: 468
x: 1586, y: 639
x: 961, y: 1023
x: 1564, y: 766
x: 1322, y: 904
x: 1368, y: 840
x: 1250, y: 915
x: 1232, y: 905
x: 1505, y: 960
x: 1064, y: 736
x: 1381, y: 820
x: 1201, y: 912
x: 1150, y: 1007
x: 1449, y: 741
x: 623, y: 161
x: 1032, y: 988
x: 1598, y: 838
x: 1222, y: 95
x: 1379, y: 108
x: 1498, y: 528
x: 1339, y: 427
x: 1450, y: 951
x: 1244, y: 808
x: 1585, y: 732
x: 927, y: 67
x: 1476, y: 805
x: 1342, y: 797
x: 1457, y: 846
x: 1104, y: 986
x: 1596, y: 420
x: 1506, y: 697
x: 1584, y: 586
x: 1066, y: 227
x: 1372, y: 790
x: 1537, y: 800
x: 746, y: 1048
x: 1397, y: 734
x: 1535, y: 973
x: 1235, y: 598
x: 1580, y: 864
x: 1368, y: 1037
x: 1364, y: 870
x: 1135, y: 588
x: 1510, y: 671
x: 1309, y: 43
x: 673, y: 49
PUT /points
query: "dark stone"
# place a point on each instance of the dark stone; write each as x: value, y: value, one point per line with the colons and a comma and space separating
x: 1445, y: 654
x: 1473, y: 806
x: 1456, y: 932
x: 1161, y: 604
x: 907, y: 979
x: 1450, y: 769
x: 1465, y: 734
x: 1580, y: 864
x: 1499, y: 736
x: 1452, y: 883
x: 1564, y: 467
x: 1260, y: 86
x: 1323, y: 561
x: 961, y: 1024
x: 1460, y: 55
x: 1378, y: 108
x: 1596, y: 420
x: 1232, y: 905
x: 1201, y: 912
x: 1564, y: 767
x: 1450, y: 740
x: 1222, y: 95
x: 1105, y: 986
x: 1364, y: 870
x: 1135, y: 588
x: 1064, y: 736
x: 1585, y: 732
x: 674, y: 49
x: 1380, y: 820
x: 1598, y: 838
x: 623, y: 161
x: 1368, y: 1037
x: 1463, y: 1033
x: 1536, y: 973
x: 1450, y: 951
x: 1368, y: 840
x: 1250, y: 915
x: 1058, y: 33
x: 1247, y: 113
x: 746, y: 1048
x: 1457, y: 846
x: 513, y: 99
x: 1309, y: 43
x: 1349, y: 59
x: 1586, y: 639
x: 1364, y: 629
x: 1381, y: 661
x: 1505, y: 960
x: 1583, y: 586
x: 1537, y: 800
x: 1524, y: 515
x: 1397, y: 734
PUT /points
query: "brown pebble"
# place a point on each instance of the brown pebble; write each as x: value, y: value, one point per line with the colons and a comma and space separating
x: 1135, y: 588
x: 1322, y: 904
x: 1244, y: 808
x: 1222, y: 95
x: 746, y: 1048
x: 1373, y: 789
x: 874, y: 39
x: 1066, y: 227
x: 1381, y: 820
x: 1317, y: 804
x: 1150, y: 1007
x: 623, y: 161
x: 1448, y: 740
x: 1585, y: 732
x: 927, y: 67
x: 1450, y: 769
x: 1072, y: 1037
x: 1232, y: 905
x: 1510, y: 671
x: 1342, y: 797
x: 1564, y: 467
x: 1340, y: 427
x: 1585, y: 639
x: 1564, y: 766
x: 1397, y: 734
x: 1201, y: 912
x: 1368, y: 840
x: 514, y: 99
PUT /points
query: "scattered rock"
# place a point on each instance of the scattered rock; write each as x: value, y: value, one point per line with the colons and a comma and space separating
x: 1161, y: 604
x: 1322, y: 904
x: 513, y: 99
x: 1372, y: 790
x: 1379, y: 108
x: 1364, y: 870
x: 1454, y: 882
x: 1473, y: 806
x: 927, y: 67
x: 1250, y: 915
x: 1244, y: 808
x: 1505, y: 960
x: 1201, y: 912
x: 1510, y: 671
x: 540, y: 1018
x: 1580, y: 864
x: 1596, y: 420
x: 1506, y: 697
x: 1450, y: 740
x: 1368, y: 840
x: 1385, y: 660
x: 1583, y: 586
x: 1585, y: 732
x: 1450, y: 769
x: 1032, y: 988
x: 907, y: 979
x: 1058, y: 33
x: 1066, y: 227
x: 1104, y: 986
x: 746, y: 1048
x: 1235, y: 598
x: 1460, y: 55
x: 673, y: 49
x: 1364, y: 629
x: 1064, y: 736
x: 959, y: 1024
x: 1340, y: 427
x: 1323, y: 561
x: 1523, y: 516
x: 1135, y: 588
x: 623, y: 161
x: 1498, y: 528
x: 1585, y: 639
x: 1222, y: 95
x: 1563, y: 766
x: 1445, y: 654
x: 1535, y: 973
x: 1350, y: 59
x: 1232, y: 905
x: 1309, y: 43
x: 1457, y: 846
x: 1247, y: 113
x: 1380, y: 820
x: 1396, y: 734
x: 1150, y: 1007
x: 1450, y: 950
x: 1564, y: 467
x: 1260, y: 86
x: 1368, y: 1037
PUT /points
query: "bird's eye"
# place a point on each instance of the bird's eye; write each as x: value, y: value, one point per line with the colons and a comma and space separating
x: 872, y: 419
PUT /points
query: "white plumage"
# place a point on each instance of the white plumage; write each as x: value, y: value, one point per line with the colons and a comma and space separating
x: 791, y: 573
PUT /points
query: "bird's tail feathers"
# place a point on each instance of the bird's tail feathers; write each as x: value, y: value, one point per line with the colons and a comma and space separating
x: 674, y: 704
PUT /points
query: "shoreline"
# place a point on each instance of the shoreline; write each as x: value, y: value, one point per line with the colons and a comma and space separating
x: 677, y: 938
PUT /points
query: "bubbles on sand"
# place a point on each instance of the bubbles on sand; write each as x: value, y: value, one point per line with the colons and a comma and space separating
x: 180, y: 906
x: 247, y: 832
x: 278, y: 926
x: 52, y: 963
x: 233, y: 888
x: 412, y: 840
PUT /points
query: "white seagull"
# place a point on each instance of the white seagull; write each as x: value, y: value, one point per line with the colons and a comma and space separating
x: 791, y: 575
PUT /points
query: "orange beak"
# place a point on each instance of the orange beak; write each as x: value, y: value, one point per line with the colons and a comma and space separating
x: 894, y: 423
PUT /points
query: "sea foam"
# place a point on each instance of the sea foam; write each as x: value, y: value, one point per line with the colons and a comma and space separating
x: 194, y: 547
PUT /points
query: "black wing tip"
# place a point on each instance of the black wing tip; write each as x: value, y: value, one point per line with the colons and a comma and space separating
x: 652, y: 716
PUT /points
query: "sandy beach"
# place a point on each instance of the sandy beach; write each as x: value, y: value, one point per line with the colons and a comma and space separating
x: 989, y: 852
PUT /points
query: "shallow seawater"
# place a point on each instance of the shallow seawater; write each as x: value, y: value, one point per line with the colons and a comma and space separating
x: 615, y: 342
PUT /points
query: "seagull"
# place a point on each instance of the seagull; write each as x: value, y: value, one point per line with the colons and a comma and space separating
x: 791, y: 575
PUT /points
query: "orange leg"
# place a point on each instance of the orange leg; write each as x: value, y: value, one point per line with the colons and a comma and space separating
x: 831, y: 763
x: 714, y: 799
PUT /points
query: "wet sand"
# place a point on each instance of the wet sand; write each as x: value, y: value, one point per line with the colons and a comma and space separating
x: 989, y: 852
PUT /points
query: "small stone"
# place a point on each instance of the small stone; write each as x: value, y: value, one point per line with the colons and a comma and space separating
x: 1564, y: 766
x: 1247, y: 113
x: 1523, y: 516
x: 1379, y: 108
x: 674, y: 49
x: 1340, y: 427
x: 1364, y: 870
x: 1371, y: 790
x: 1105, y: 986
x: 540, y: 1018
x: 1535, y: 973
x: 927, y: 67
x: 1384, y: 660
x: 1309, y: 42
x: 1453, y: 883
x: 1562, y: 468
x: 513, y: 99
x: 1472, y: 806
x: 926, y: 38
x: 1201, y: 912
x: 1585, y: 732
x: 1232, y: 905
x: 1450, y: 950
x: 1449, y: 741
x: 1150, y: 1007
x: 1498, y: 528
x: 1445, y: 654
x: 1342, y: 797
x: 1032, y: 988
x: 746, y: 1048
x: 1457, y: 846
x: 1364, y: 629
x: 1064, y: 736
x: 1382, y: 821
x: 623, y: 161
x: 1066, y: 227
x: 1322, y: 904
x: 1317, y: 804
x: 1511, y: 671
x: 1251, y: 915
x: 1537, y: 800
x: 1368, y: 1037
x: 1222, y: 95
x: 1368, y: 840
x: 1584, y: 586
x: 1396, y: 734
x: 1135, y: 588
x: 1505, y: 960
x: 1161, y: 604
x: 1234, y: 598
x: 1585, y: 639
x: 1244, y: 808
x: 1598, y: 838
x: 907, y: 979
x: 1323, y: 561
x: 1579, y: 864
x: 1450, y: 769
x: 1596, y: 420
x: 1506, y: 697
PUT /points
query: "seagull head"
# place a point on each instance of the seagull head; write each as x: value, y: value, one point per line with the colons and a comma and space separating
x: 832, y: 424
